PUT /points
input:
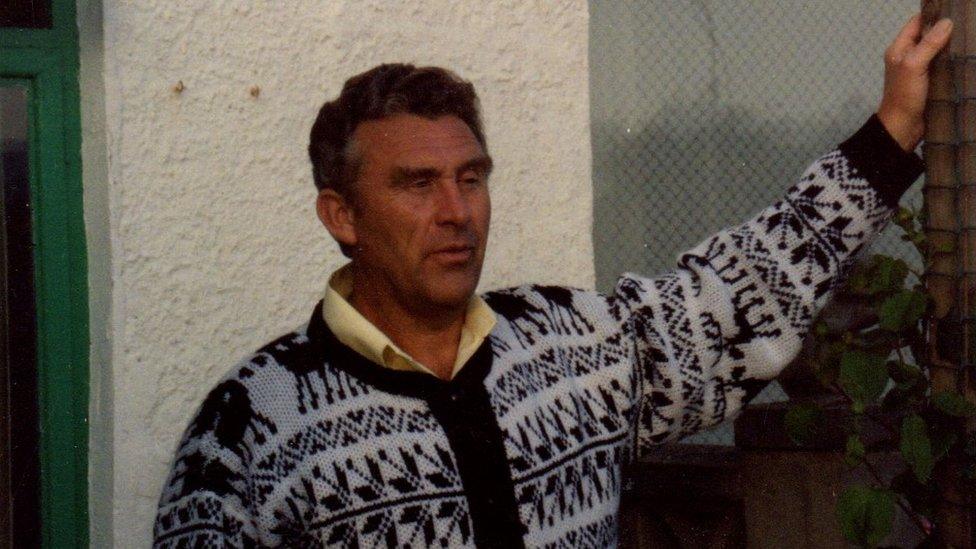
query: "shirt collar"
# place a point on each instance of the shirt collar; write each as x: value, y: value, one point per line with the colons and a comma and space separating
x: 355, y: 331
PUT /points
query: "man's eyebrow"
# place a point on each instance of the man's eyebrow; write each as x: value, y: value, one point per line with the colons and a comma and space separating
x: 481, y: 165
x: 403, y: 174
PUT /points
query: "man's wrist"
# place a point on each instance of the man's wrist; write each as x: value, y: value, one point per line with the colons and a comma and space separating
x: 905, y: 130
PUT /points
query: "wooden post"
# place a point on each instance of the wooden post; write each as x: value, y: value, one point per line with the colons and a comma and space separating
x: 950, y: 208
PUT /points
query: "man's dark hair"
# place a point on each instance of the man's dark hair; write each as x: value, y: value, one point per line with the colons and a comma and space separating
x: 380, y: 92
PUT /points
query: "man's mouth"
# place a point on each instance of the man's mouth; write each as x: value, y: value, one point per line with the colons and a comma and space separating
x: 454, y: 254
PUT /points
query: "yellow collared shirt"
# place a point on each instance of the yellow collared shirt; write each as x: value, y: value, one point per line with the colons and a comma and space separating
x: 359, y: 334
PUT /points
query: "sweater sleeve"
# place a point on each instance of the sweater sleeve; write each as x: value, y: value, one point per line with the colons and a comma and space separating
x: 710, y: 334
x: 204, y: 501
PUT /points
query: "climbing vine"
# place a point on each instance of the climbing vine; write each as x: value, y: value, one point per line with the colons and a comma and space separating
x: 876, y: 363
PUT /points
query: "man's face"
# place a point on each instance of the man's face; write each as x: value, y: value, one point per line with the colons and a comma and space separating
x: 421, y: 209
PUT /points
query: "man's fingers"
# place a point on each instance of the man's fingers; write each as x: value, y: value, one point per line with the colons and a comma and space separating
x: 934, y: 40
x: 906, y: 39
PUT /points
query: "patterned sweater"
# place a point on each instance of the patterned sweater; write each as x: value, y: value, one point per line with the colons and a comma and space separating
x: 308, y: 444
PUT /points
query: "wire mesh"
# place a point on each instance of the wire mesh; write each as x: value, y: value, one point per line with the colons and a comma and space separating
x: 950, y: 190
x: 705, y: 111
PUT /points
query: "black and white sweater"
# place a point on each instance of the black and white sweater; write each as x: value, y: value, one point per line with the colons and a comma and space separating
x: 308, y: 444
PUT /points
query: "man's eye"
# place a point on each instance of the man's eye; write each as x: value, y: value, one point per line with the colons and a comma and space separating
x: 421, y: 183
x: 472, y: 180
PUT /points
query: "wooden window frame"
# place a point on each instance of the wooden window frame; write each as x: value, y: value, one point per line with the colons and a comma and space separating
x: 48, y: 60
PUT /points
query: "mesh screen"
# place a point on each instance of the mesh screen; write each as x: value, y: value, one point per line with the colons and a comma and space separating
x: 705, y: 111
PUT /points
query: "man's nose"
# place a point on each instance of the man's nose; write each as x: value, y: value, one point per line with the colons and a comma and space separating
x: 452, y: 204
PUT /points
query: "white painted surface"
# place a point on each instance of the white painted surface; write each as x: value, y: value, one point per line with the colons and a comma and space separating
x: 214, y: 246
x: 94, y: 164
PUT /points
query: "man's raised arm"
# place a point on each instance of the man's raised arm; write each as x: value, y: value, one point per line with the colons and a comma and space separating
x: 710, y: 334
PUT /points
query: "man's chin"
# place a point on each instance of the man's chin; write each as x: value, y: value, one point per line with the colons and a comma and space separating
x: 451, y: 299
x: 450, y: 293
x: 450, y: 289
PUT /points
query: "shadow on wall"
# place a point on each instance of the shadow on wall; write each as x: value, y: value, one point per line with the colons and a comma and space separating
x: 692, y: 170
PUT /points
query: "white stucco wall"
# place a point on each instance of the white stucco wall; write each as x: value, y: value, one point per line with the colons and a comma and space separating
x: 214, y: 245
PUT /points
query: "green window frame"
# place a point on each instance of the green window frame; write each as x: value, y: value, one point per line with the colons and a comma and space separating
x: 47, y: 60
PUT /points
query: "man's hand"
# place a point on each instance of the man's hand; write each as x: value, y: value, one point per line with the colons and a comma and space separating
x: 906, y: 79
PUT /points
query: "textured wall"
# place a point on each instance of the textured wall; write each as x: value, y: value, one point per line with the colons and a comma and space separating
x: 215, y: 248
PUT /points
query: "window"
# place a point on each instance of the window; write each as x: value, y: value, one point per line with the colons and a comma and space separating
x: 30, y: 14
x: 45, y: 314
x: 19, y: 425
x: 705, y: 112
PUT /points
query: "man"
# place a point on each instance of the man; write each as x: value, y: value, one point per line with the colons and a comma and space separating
x: 410, y: 412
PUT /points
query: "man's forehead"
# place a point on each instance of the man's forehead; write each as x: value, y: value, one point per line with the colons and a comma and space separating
x: 408, y: 136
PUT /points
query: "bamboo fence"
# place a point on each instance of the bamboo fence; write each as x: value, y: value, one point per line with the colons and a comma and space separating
x: 950, y: 226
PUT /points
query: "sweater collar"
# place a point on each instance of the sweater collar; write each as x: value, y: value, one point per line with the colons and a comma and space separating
x: 327, y: 348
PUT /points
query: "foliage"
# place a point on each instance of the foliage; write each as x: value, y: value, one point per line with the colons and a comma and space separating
x: 802, y: 422
x: 865, y: 514
x: 879, y: 368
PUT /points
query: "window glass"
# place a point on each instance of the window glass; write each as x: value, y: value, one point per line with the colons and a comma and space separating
x: 705, y: 112
x: 19, y: 421
x: 31, y: 14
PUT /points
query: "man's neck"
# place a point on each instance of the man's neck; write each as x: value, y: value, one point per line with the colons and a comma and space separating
x: 429, y: 336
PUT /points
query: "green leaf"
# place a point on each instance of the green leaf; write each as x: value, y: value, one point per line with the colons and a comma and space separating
x: 802, y: 422
x: 854, y: 451
x: 863, y: 376
x: 953, y: 404
x: 879, y: 274
x: 865, y: 514
x: 916, y: 447
x: 901, y: 372
x: 889, y: 275
x: 902, y: 310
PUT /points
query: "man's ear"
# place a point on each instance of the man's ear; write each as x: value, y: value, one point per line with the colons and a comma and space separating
x: 337, y: 214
